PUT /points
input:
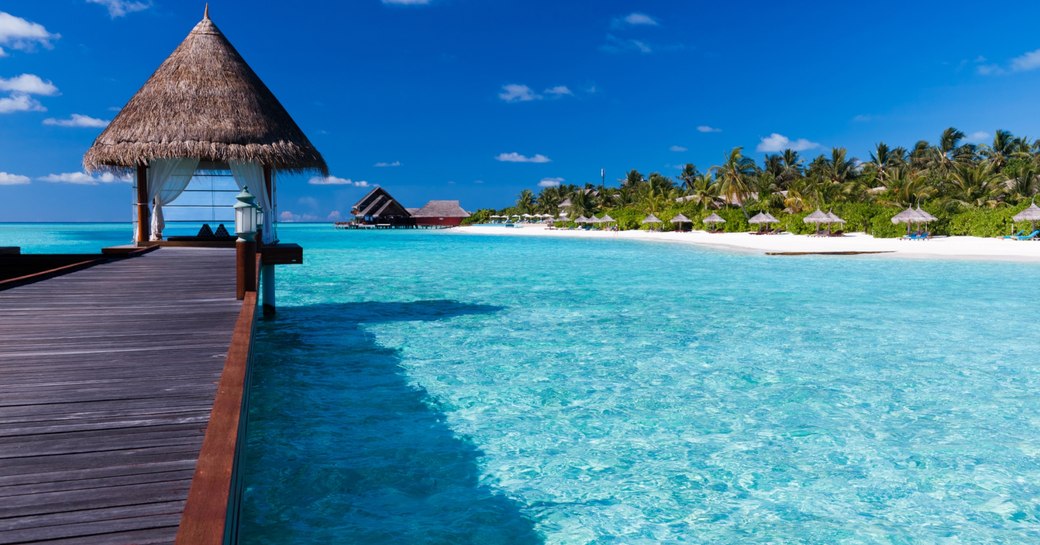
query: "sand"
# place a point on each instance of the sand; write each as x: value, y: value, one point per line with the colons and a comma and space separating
x: 976, y: 248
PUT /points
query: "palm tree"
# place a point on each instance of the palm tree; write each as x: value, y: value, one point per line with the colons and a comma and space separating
x: 978, y: 186
x: 734, y: 177
x: 525, y: 202
x: 688, y: 176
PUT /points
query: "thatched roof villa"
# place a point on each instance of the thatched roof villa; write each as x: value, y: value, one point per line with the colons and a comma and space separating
x: 379, y: 208
x: 440, y: 213
x: 203, y: 108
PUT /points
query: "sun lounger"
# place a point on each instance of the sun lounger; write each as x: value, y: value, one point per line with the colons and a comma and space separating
x: 1021, y: 233
x: 1030, y: 236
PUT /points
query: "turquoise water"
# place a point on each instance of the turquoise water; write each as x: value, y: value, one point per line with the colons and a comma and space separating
x: 425, y: 387
x: 431, y: 388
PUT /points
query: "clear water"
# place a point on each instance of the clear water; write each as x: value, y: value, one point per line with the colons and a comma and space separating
x: 429, y: 388
x: 424, y: 387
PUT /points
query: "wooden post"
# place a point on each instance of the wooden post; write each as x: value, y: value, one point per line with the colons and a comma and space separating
x: 144, y: 225
x: 267, y: 279
x: 245, y: 268
x: 269, y: 186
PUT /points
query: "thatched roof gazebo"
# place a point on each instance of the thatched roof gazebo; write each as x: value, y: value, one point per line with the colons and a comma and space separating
x: 203, y: 106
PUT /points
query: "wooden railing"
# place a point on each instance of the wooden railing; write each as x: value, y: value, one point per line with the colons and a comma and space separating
x: 211, y: 513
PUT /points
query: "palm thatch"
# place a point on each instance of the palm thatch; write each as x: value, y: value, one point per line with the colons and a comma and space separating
x: 714, y: 218
x: 925, y: 215
x: 818, y: 217
x: 651, y: 219
x: 204, y: 102
x: 1029, y: 214
x: 441, y: 209
x: 906, y: 216
x: 606, y: 219
x: 763, y: 218
x: 834, y: 218
x: 679, y: 218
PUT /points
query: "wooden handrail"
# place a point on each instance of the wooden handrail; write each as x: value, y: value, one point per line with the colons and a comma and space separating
x: 213, y: 490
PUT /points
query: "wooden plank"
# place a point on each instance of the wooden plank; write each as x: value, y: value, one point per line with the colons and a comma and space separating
x: 107, y: 381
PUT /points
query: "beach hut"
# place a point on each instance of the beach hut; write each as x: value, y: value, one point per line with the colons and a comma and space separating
x: 835, y: 220
x: 651, y: 220
x: 205, y: 109
x: 713, y: 220
x: 681, y: 220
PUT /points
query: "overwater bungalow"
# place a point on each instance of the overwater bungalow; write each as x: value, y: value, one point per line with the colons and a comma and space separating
x: 440, y: 214
x: 378, y: 207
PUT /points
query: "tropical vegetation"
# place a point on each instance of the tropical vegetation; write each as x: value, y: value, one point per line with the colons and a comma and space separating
x: 973, y: 189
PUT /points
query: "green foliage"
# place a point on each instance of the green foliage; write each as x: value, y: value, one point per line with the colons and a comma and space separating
x: 480, y: 216
x: 983, y: 222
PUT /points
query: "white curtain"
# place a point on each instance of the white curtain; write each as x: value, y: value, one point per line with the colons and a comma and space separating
x: 251, y: 175
x: 167, y: 179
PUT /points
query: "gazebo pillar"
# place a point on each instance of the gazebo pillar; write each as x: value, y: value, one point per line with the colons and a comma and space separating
x: 267, y: 271
x: 143, y: 219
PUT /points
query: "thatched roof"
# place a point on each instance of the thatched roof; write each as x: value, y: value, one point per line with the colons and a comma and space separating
x: 763, y: 217
x: 1029, y: 214
x: 818, y: 216
x: 681, y: 219
x: 906, y: 216
x: 441, y: 209
x: 834, y: 218
x: 924, y: 214
x: 650, y: 219
x: 606, y: 219
x: 204, y: 102
x: 714, y: 218
x: 379, y: 204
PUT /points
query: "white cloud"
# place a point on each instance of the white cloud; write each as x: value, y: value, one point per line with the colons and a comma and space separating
x: 77, y: 120
x: 383, y: 164
x: 120, y: 8
x: 622, y: 45
x: 707, y: 129
x: 677, y: 148
x: 977, y: 137
x: 7, y: 178
x: 334, y: 216
x: 478, y: 181
x: 863, y: 118
x: 20, y: 103
x: 559, y: 91
x: 17, y: 33
x: 514, y: 157
x: 777, y: 142
x: 406, y: 2
x: 28, y: 84
x: 82, y: 178
x: 550, y: 182
x: 1026, y: 62
x: 635, y: 19
x: 515, y: 92
x: 290, y: 216
x: 332, y: 180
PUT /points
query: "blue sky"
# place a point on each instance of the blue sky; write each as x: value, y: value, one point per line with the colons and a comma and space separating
x: 478, y: 99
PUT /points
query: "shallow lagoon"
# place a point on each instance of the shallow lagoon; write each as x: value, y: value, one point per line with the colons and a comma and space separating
x: 422, y: 387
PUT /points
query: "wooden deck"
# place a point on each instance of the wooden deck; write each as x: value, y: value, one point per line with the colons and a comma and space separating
x: 107, y: 378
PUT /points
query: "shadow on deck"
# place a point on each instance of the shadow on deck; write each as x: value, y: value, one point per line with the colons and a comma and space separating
x: 343, y: 447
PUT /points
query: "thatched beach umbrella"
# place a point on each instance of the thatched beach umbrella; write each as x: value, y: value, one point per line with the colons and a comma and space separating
x: 1031, y: 214
x: 834, y: 218
x: 818, y: 217
x: 681, y: 219
x: 908, y: 216
x: 605, y: 219
x: 650, y: 219
x: 763, y: 218
x: 713, y: 219
x: 925, y: 216
x: 203, y: 104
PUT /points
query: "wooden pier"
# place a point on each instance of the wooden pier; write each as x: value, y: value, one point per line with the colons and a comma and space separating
x: 107, y: 380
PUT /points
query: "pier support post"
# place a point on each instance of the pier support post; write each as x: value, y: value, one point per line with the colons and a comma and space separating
x: 144, y: 224
x: 245, y: 268
x: 267, y: 279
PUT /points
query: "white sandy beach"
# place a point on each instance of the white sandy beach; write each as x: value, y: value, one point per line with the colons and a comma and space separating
x: 989, y: 249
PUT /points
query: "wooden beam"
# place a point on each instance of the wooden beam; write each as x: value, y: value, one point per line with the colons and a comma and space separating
x: 205, y: 514
x: 143, y: 220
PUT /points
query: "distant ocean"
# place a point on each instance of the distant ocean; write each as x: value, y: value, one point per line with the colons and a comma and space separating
x: 426, y: 387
